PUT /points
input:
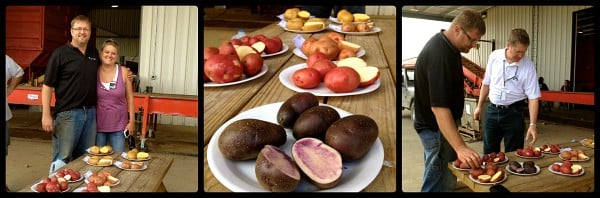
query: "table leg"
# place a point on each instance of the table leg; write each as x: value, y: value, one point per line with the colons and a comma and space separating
x: 161, y: 188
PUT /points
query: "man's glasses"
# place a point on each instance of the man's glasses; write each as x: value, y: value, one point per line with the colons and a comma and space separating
x: 80, y: 28
x: 474, y: 41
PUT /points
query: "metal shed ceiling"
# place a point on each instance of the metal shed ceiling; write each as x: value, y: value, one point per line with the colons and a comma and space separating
x: 438, y: 13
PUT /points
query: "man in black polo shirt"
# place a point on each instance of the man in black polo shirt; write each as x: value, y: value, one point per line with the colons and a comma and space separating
x: 439, y: 100
x: 71, y: 73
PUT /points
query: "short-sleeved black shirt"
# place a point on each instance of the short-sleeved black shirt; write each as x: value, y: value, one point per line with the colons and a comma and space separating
x: 73, y: 76
x: 438, y: 81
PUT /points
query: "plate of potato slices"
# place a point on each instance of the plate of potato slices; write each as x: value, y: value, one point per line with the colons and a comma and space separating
x: 135, y: 155
x: 100, y: 150
x: 131, y: 165
x: 588, y: 143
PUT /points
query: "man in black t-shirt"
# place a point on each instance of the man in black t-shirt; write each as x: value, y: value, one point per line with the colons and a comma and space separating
x: 71, y: 73
x: 439, y: 100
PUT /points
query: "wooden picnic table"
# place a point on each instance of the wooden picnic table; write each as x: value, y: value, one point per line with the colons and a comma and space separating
x: 148, y: 180
x: 545, y: 181
x: 223, y: 103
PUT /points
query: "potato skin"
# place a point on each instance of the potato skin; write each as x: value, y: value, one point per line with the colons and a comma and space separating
x: 294, y: 106
x: 243, y: 139
x: 314, y: 122
x: 352, y: 136
x: 269, y: 173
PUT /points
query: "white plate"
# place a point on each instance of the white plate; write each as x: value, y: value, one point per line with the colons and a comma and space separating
x: 124, y: 156
x: 244, y: 79
x: 521, y: 156
x: 119, y: 164
x: 537, y: 170
x: 458, y: 168
x: 304, y: 32
x: 239, y: 176
x: 489, y: 183
x: 85, y: 159
x: 560, y: 156
x: 502, y: 162
x: 283, y: 50
x: 373, y: 31
x: 581, y: 141
x: 298, y: 52
x: 80, y: 189
x: 33, y: 187
x: 285, y: 77
x: 559, y: 173
x: 335, y: 20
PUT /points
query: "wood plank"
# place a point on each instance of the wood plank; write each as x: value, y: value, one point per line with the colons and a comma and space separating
x: 388, y: 39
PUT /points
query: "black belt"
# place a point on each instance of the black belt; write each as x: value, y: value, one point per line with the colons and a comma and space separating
x: 504, y: 107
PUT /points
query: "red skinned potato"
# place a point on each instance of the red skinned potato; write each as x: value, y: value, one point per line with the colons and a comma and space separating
x: 314, y: 57
x: 227, y: 48
x: 323, y: 66
x: 209, y: 52
x: 253, y: 64
x: 342, y: 79
x: 272, y: 46
x: 321, y: 163
x: 306, y: 78
x: 223, y: 69
x: 276, y: 171
x: 352, y: 136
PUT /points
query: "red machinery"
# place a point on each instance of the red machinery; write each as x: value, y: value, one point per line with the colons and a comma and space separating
x: 473, y: 77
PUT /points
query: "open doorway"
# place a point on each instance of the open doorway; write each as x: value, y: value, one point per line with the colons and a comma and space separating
x: 582, y: 53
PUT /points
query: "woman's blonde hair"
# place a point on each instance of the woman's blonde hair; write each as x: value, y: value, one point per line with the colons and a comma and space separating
x: 110, y: 42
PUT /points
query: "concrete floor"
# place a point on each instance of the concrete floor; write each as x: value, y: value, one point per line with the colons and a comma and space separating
x: 30, y: 151
x: 412, y: 150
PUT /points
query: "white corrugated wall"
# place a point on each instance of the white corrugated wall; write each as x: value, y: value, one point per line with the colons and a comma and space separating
x: 550, y: 46
x: 169, y: 51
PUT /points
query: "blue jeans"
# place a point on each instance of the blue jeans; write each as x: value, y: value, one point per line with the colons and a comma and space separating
x: 115, y: 138
x: 74, y: 132
x: 504, y: 123
x: 438, y: 153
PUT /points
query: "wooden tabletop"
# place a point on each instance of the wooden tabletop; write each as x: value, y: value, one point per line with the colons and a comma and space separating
x: 149, y: 180
x: 545, y: 181
x: 223, y: 103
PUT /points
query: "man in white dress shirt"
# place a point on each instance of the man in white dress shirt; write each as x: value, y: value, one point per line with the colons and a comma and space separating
x: 14, y: 73
x: 509, y: 80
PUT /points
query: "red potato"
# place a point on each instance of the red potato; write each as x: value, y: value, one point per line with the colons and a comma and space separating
x: 245, y: 40
x: 272, y: 46
x: 252, y: 40
x: 307, y: 78
x: 210, y: 51
x: 52, y: 186
x: 227, y: 48
x: 41, y: 187
x: 342, y: 79
x: 260, y: 37
x: 223, y: 69
x: 252, y: 64
x: 323, y: 66
x: 310, y: 60
x: 236, y: 42
x: 279, y: 42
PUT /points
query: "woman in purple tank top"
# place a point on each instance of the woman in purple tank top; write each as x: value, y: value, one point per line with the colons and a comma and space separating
x: 115, y: 111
